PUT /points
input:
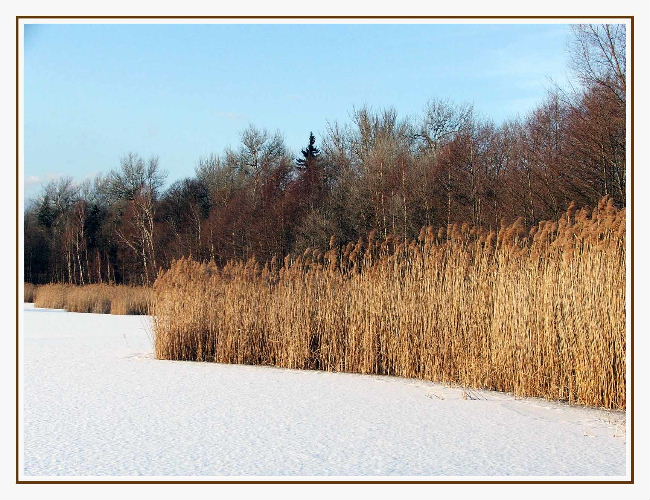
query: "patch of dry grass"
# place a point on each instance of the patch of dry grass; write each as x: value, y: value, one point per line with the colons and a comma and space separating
x: 131, y: 300
x: 96, y: 298
x: 537, y: 312
x: 29, y: 292
x: 52, y: 295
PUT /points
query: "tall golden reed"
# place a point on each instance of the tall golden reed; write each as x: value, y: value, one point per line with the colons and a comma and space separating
x: 29, y: 292
x: 96, y: 298
x: 537, y: 312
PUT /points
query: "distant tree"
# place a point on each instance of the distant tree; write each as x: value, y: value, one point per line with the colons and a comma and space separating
x: 442, y: 122
x: 183, y: 209
x: 135, y: 187
x: 311, y: 181
x: 598, y: 115
x: 309, y: 155
x: 378, y: 172
x: 598, y: 56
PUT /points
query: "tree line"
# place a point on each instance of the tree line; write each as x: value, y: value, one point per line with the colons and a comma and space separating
x: 377, y: 172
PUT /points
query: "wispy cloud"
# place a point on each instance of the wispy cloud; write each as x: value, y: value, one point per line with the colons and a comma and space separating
x: 34, y: 180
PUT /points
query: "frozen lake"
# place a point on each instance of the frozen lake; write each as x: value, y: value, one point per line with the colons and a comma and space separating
x: 96, y: 403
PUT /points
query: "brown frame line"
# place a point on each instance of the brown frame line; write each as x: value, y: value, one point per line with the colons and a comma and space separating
x: 264, y: 481
x: 324, y: 17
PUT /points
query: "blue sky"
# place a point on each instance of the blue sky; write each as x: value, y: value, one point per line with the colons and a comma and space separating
x: 96, y: 92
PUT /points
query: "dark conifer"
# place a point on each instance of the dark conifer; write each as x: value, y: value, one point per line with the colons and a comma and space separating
x: 310, y: 153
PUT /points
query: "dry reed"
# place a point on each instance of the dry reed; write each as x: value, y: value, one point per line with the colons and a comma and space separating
x: 52, y: 295
x: 96, y: 298
x: 29, y: 292
x: 538, y: 312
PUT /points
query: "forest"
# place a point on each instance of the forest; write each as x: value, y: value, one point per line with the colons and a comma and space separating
x: 377, y: 172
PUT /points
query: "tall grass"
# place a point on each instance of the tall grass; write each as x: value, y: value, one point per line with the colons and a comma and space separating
x: 52, y: 295
x: 97, y: 298
x: 538, y: 312
x: 29, y: 292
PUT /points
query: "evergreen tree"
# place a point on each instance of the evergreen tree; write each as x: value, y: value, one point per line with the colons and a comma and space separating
x: 310, y: 153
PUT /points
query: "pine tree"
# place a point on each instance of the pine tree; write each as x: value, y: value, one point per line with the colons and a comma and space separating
x: 310, y: 153
x: 311, y: 182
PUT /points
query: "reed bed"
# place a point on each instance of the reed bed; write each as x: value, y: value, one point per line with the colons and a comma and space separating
x: 29, y: 292
x: 96, y: 298
x: 52, y: 295
x: 536, y: 312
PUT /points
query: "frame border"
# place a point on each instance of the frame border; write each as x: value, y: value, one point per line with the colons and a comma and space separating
x: 324, y: 481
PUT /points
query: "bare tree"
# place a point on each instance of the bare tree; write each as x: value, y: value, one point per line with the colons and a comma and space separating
x: 598, y: 56
x: 445, y: 124
x: 442, y: 121
x: 137, y: 184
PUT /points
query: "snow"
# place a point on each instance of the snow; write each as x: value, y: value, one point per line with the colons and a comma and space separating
x: 96, y: 403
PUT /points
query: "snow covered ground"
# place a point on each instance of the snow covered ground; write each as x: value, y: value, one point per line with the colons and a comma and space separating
x: 96, y: 403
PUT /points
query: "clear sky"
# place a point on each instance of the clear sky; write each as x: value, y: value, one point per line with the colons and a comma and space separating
x: 96, y: 92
